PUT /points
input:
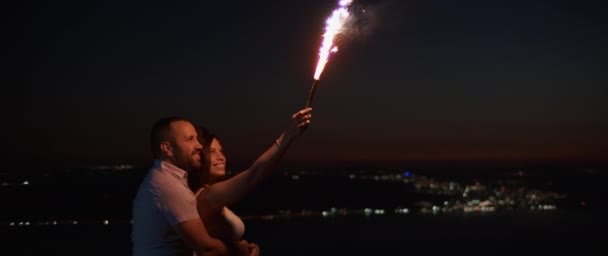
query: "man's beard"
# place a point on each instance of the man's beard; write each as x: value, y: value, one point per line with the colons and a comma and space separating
x: 188, y: 163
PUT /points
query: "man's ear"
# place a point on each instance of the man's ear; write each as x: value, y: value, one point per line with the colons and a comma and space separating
x: 166, y: 148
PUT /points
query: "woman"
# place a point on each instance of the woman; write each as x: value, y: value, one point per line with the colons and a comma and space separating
x: 214, y: 194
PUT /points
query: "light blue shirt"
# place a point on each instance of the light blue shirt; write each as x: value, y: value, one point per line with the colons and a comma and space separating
x: 162, y: 201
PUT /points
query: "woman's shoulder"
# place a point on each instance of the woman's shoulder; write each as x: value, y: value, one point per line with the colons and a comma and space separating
x: 202, y: 190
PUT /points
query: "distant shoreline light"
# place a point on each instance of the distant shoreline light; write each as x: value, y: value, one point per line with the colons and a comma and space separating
x: 305, y: 213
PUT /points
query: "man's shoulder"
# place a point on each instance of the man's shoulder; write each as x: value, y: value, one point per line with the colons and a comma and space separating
x: 164, y: 179
x: 158, y: 176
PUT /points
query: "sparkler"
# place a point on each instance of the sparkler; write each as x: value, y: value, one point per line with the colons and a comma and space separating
x: 333, y: 26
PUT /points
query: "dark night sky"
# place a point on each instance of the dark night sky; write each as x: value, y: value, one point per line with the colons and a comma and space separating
x: 421, y: 83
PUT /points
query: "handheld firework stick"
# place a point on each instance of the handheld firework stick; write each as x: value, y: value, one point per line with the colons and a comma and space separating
x: 311, y: 93
x: 334, y: 25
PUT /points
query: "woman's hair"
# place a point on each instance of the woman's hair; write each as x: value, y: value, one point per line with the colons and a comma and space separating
x: 200, y: 177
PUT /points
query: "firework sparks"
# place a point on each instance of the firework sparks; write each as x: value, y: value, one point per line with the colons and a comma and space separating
x: 333, y: 26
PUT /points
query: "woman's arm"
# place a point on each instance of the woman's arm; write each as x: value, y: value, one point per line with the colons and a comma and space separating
x: 229, y: 191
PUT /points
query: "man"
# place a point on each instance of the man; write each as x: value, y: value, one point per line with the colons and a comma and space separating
x: 165, y: 217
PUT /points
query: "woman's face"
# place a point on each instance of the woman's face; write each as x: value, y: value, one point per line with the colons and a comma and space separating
x: 217, y: 160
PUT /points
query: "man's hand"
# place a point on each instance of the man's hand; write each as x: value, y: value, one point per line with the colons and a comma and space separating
x: 242, y: 248
x: 254, y: 249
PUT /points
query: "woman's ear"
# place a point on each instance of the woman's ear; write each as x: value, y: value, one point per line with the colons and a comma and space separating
x: 166, y: 148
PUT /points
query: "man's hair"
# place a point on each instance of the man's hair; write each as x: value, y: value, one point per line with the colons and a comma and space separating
x: 160, y: 132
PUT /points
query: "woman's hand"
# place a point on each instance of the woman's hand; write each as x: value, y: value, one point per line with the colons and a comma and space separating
x: 299, y: 122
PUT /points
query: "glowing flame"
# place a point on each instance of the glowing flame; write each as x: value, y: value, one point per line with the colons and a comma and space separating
x: 333, y: 27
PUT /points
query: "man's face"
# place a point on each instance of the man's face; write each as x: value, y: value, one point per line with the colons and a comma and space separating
x: 185, y: 147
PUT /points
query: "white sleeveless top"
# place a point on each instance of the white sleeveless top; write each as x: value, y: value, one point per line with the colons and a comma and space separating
x: 237, y: 225
x: 234, y: 223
